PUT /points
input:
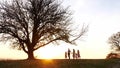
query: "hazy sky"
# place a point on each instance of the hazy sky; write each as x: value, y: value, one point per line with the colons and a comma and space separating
x: 103, y: 17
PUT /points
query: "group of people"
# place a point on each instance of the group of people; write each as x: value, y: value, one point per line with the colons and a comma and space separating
x: 75, y: 55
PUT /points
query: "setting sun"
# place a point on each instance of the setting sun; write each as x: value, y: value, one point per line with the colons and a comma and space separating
x: 50, y: 52
x: 47, y: 53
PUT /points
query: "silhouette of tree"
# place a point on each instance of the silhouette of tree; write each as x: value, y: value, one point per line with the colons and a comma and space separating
x: 31, y: 24
x: 112, y: 56
x: 114, y: 40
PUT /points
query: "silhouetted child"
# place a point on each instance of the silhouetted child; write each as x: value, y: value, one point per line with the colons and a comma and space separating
x: 69, y: 53
x: 65, y: 55
x: 74, y: 54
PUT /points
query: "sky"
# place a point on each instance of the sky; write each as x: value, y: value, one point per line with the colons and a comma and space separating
x: 103, y: 18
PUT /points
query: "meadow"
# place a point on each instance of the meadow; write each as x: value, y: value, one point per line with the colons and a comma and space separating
x: 61, y: 63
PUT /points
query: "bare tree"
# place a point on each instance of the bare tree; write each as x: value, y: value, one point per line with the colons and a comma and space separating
x: 112, y: 55
x: 114, y: 40
x: 31, y: 24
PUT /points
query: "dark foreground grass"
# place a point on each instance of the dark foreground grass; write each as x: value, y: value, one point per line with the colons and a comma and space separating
x: 61, y: 63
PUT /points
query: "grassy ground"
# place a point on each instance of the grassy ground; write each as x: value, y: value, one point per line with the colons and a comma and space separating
x: 61, y: 63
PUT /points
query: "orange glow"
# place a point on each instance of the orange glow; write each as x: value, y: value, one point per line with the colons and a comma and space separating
x: 48, y: 63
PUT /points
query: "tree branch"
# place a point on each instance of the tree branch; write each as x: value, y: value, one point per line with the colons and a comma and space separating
x: 47, y: 43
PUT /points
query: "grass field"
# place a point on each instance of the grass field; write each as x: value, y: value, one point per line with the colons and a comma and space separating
x: 61, y: 63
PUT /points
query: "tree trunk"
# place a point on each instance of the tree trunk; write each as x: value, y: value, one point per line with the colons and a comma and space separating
x: 30, y: 53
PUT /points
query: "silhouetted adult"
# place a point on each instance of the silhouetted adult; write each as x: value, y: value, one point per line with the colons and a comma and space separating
x: 65, y: 55
x: 74, y: 54
x: 78, y: 54
x: 69, y: 53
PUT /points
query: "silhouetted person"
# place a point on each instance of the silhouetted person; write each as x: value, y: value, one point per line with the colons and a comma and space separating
x: 69, y: 53
x: 78, y: 54
x: 74, y: 54
x: 65, y: 55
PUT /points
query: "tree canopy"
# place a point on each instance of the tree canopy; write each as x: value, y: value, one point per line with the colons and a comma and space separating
x: 31, y: 24
x: 114, y: 40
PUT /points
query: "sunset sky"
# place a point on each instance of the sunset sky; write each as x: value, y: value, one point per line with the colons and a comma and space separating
x: 103, y: 18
